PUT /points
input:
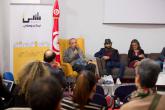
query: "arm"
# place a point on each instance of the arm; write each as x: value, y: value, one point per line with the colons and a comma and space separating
x: 99, y: 54
x: 115, y: 56
x: 162, y: 55
x: 132, y: 57
x: 67, y: 57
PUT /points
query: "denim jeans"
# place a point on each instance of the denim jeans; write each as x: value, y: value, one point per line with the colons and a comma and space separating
x: 111, y: 64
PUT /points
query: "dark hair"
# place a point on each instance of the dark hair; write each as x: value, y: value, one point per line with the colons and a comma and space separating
x: 91, y: 67
x: 83, y: 88
x: 49, y: 56
x: 135, y: 41
x: 148, y: 71
x: 45, y: 94
x: 107, y: 41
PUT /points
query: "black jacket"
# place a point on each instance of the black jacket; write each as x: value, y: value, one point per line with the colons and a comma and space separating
x: 114, y: 54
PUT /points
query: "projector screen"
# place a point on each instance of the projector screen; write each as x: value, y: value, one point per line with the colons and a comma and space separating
x: 134, y: 11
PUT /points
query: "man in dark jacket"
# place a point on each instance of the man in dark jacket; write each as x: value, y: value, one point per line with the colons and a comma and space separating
x: 162, y: 57
x: 49, y: 61
x: 111, y: 56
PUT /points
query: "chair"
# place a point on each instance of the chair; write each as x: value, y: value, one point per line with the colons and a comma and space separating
x: 122, y: 92
x: 99, y: 99
x: 64, y: 44
x: 8, y: 76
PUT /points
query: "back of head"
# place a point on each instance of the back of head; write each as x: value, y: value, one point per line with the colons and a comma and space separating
x: 49, y: 56
x: 148, y: 71
x: 85, y: 84
x: 31, y: 72
x: 45, y: 94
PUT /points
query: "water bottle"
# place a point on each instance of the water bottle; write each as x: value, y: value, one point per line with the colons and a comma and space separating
x: 164, y: 66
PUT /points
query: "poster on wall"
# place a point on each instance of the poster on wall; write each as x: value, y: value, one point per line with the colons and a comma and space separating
x: 31, y: 29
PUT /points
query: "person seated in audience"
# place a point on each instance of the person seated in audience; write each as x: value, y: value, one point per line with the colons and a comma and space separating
x: 111, y: 56
x: 83, y: 92
x: 56, y: 71
x: 45, y: 94
x: 135, y: 53
x: 5, y: 95
x: 27, y: 76
x: 162, y: 58
x: 76, y: 58
x: 146, y: 98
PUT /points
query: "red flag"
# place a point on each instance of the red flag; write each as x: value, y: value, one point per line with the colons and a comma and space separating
x: 55, y: 32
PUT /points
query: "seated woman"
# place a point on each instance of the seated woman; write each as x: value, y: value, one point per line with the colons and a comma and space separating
x: 28, y: 75
x: 135, y: 53
x: 146, y: 98
x: 83, y: 92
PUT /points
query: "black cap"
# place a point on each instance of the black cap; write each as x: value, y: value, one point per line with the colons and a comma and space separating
x: 107, y: 41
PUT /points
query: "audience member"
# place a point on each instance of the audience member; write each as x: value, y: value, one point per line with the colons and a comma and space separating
x: 146, y: 98
x: 111, y: 56
x: 135, y: 53
x: 83, y: 92
x: 5, y: 95
x: 76, y: 58
x: 45, y: 94
x: 162, y: 58
x: 56, y: 71
x: 30, y: 73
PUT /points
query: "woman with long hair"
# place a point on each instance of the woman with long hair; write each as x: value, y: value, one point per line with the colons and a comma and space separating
x: 83, y: 92
x: 28, y: 75
x: 135, y: 53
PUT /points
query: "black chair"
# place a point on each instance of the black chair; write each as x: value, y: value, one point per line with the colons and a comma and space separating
x: 99, y: 99
x: 122, y: 92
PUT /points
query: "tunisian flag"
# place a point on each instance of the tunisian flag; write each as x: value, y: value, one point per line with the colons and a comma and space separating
x: 55, y: 43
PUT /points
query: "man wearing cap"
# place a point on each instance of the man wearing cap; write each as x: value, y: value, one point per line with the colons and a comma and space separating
x: 111, y: 57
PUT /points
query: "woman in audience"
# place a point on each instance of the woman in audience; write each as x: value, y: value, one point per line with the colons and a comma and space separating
x: 135, y: 53
x: 83, y: 92
x: 146, y: 98
x: 30, y: 73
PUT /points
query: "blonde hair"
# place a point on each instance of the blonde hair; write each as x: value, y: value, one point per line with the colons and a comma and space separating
x: 30, y: 73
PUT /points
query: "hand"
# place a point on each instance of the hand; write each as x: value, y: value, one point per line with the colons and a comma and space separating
x: 76, y: 56
x: 141, y: 56
x: 106, y: 57
x: 75, y: 52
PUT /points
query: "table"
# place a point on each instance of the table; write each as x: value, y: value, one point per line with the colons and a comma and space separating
x: 109, y: 89
x: 160, y: 84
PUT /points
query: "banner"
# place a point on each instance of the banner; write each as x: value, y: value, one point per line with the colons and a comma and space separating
x: 31, y: 30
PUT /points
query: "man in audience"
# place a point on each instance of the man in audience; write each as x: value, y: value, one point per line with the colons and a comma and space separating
x: 146, y: 98
x: 45, y: 94
x: 111, y: 56
x: 162, y: 58
x: 55, y: 70
x: 76, y: 58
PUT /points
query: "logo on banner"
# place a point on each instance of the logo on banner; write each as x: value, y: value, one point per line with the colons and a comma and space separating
x: 32, y: 21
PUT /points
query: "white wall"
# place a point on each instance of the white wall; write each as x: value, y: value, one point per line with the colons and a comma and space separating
x: 1, y: 37
x: 84, y: 18
x: 4, y: 36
